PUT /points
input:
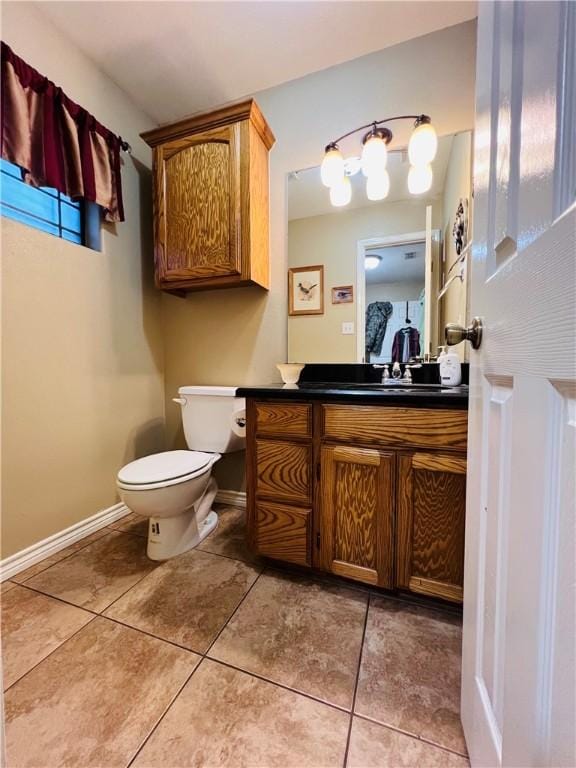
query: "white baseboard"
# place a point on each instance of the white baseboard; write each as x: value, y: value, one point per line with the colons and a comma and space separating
x: 12, y: 565
x: 233, y: 498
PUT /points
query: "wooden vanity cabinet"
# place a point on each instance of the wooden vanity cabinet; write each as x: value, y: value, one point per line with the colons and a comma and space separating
x: 375, y: 494
x: 211, y: 200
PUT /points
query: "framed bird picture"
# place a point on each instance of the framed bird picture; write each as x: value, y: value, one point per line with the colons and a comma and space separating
x: 306, y: 290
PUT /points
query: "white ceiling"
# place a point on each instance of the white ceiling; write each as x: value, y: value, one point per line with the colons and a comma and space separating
x: 395, y: 267
x: 176, y: 58
x: 308, y: 197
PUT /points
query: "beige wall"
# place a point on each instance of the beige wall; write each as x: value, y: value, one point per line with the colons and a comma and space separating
x: 332, y: 240
x: 408, y: 291
x: 456, y: 186
x: 236, y: 337
x: 82, y: 348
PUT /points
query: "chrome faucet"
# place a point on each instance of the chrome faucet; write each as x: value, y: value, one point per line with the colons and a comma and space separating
x: 385, y: 373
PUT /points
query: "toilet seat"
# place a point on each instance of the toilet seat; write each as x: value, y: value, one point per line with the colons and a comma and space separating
x: 161, y: 470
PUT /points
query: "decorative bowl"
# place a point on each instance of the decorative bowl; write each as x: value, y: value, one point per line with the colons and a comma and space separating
x: 290, y: 372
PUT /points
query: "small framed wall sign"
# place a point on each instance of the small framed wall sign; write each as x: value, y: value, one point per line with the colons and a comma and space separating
x: 306, y: 290
x: 343, y: 294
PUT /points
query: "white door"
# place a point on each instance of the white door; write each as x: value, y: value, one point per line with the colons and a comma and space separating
x: 519, y: 642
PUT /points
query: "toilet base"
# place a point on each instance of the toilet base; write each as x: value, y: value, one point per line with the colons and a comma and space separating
x: 171, y: 536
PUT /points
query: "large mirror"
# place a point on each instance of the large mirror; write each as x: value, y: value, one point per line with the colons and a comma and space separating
x: 376, y: 281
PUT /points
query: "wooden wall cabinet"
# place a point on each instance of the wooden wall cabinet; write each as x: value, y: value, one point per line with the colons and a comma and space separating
x: 374, y: 494
x: 211, y: 200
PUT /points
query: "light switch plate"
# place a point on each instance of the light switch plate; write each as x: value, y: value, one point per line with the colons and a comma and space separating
x: 347, y: 329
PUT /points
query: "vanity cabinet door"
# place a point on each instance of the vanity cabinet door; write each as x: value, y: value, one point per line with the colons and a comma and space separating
x: 431, y: 513
x: 356, y: 525
x: 197, y: 207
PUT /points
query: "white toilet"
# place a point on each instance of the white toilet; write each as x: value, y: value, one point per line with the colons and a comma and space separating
x: 175, y: 489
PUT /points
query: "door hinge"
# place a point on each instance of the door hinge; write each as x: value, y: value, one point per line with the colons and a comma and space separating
x: 318, y: 540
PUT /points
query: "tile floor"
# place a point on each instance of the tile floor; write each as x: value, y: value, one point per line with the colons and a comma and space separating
x: 213, y: 660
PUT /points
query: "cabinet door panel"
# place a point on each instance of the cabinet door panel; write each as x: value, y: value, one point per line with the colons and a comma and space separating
x: 198, y: 206
x: 431, y: 510
x: 356, y: 520
x: 283, y: 532
x: 283, y: 471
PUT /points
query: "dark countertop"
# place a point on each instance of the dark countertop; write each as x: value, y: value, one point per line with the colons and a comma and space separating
x: 411, y: 396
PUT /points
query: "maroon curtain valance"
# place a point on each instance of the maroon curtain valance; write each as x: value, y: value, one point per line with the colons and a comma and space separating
x: 56, y: 142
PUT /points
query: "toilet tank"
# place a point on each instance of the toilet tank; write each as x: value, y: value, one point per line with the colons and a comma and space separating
x: 213, y: 418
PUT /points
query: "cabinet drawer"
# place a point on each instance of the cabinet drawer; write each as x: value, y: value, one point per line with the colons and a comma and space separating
x: 418, y: 427
x: 284, y: 471
x: 290, y: 419
x: 283, y: 532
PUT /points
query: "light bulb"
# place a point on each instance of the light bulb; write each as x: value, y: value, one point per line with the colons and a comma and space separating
x: 419, y: 179
x: 374, y: 156
x: 377, y: 187
x: 332, y: 168
x: 341, y: 193
x: 423, y: 144
x: 371, y: 262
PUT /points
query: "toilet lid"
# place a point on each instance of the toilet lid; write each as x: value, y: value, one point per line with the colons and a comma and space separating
x: 163, y: 466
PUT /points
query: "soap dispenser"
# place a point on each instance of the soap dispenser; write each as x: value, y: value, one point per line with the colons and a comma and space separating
x: 450, y: 369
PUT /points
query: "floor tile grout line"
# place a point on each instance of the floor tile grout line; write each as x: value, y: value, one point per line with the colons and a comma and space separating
x: 145, y: 632
x: 345, y: 761
x: 61, y: 645
x: 75, y: 605
x: 424, y: 740
x: 164, y: 713
x: 229, y: 619
x: 59, y: 599
x: 410, y: 735
x: 136, y: 583
x: 275, y: 683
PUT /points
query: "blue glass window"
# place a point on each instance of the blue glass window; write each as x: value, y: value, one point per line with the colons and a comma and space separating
x: 40, y: 207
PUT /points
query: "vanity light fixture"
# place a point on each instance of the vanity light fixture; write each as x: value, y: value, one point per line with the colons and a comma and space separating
x: 422, y: 148
x: 419, y: 179
x: 332, y: 168
x: 372, y: 261
x: 341, y: 192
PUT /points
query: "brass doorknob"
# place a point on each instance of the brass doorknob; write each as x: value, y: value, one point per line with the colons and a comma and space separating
x: 455, y: 333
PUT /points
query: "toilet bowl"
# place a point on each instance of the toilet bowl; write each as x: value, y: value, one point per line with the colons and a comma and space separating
x: 175, y: 489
